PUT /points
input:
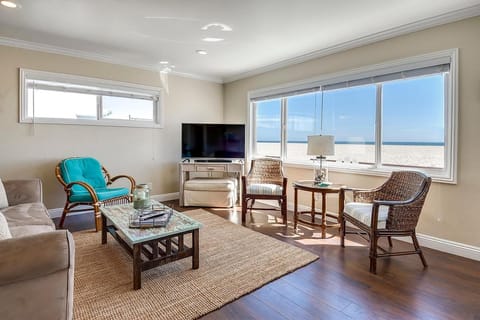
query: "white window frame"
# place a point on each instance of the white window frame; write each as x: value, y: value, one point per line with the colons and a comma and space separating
x: 445, y: 175
x: 102, y: 87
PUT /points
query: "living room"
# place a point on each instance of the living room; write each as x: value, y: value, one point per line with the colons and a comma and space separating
x: 152, y: 154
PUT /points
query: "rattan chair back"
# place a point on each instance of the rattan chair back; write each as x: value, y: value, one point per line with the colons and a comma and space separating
x: 266, y: 170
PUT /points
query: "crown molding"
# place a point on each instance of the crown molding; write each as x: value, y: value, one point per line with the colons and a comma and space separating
x: 35, y: 46
x: 442, y: 19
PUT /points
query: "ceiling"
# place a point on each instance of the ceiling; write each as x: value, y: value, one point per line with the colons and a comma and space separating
x: 265, y: 33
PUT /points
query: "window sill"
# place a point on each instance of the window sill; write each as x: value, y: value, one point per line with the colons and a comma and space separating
x: 436, y: 175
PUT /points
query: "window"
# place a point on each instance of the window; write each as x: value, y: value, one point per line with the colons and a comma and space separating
x: 58, y: 98
x: 395, y: 115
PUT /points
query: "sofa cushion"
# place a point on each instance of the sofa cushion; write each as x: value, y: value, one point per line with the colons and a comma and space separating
x: 4, y: 230
x: 3, y: 196
x: 28, y: 218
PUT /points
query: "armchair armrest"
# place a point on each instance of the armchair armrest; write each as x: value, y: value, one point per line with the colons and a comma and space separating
x: 393, y: 202
x: 34, y: 256
x: 23, y: 191
x: 129, y: 178
x: 87, y: 187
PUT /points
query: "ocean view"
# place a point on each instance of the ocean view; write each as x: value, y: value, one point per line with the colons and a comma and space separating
x: 419, y: 154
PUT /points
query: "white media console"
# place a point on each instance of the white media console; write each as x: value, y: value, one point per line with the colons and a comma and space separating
x: 211, y: 170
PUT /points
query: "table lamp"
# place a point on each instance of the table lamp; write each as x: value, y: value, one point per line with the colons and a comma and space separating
x: 320, y: 146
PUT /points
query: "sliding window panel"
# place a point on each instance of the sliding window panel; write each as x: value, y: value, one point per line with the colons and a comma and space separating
x: 303, y: 120
x: 268, y: 115
x: 413, y: 125
x: 133, y: 109
x: 61, y: 104
x: 349, y: 115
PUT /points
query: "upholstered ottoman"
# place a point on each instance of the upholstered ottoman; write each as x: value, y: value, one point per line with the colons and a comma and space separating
x: 210, y: 192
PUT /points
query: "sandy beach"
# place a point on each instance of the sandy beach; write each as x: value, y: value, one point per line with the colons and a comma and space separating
x: 409, y: 155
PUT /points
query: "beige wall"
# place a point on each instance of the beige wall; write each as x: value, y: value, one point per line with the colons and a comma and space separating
x: 150, y: 155
x: 450, y: 212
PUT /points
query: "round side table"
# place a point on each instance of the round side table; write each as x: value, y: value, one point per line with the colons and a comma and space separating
x: 312, y: 187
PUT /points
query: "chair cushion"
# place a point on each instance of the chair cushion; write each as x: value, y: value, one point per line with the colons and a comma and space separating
x: 363, y: 213
x: 102, y: 194
x: 264, y: 189
x: 87, y: 170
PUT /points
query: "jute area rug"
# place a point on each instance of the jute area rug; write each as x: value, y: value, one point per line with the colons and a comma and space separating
x: 234, y: 261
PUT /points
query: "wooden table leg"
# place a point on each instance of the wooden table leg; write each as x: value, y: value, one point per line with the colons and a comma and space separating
x: 312, y: 213
x: 324, y: 214
x: 104, y: 229
x: 137, y: 266
x: 195, y: 247
x: 295, y: 209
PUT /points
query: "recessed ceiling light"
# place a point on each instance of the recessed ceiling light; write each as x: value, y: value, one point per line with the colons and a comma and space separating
x: 222, y: 26
x: 208, y: 39
x: 163, y: 62
x: 8, y: 4
x: 202, y: 52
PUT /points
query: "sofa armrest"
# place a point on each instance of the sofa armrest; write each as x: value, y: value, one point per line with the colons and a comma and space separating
x: 34, y: 256
x: 23, y: 191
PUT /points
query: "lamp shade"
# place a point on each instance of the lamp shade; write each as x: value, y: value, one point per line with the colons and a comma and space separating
x: 321, y: 145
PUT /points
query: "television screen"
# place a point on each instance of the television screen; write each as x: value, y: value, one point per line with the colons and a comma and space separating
x: 214, y: 141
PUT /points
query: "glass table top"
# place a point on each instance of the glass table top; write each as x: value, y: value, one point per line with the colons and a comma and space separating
x: 314, y: 185
x: 120, y: 216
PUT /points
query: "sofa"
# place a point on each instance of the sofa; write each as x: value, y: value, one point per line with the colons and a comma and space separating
x: 37, y: 262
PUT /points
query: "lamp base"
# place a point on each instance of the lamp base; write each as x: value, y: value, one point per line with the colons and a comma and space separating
x: 320, y: 175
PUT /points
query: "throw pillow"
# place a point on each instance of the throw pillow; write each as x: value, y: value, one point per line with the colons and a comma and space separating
x: 3, y: 196
x: 4, y: 231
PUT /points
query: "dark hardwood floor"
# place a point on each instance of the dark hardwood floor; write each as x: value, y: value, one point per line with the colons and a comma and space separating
x: 339, y: 286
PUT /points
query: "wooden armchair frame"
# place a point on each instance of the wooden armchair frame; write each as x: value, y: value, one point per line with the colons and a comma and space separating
x: 95, y: 203
x: 404, y: 194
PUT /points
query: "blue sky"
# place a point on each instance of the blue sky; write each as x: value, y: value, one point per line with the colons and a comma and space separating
x: 413, y: 111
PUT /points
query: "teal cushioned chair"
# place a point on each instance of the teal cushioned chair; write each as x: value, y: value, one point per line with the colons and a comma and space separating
x: 87, y: 183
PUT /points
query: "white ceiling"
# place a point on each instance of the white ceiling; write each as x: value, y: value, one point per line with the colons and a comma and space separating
x: 266, y: 33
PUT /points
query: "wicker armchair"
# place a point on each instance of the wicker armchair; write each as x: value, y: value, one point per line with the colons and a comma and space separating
x: 390, y: 210
x: 86, y: 183
x: 265, y: 180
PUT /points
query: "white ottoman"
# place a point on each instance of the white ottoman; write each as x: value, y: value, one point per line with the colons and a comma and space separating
x: 210, y: 192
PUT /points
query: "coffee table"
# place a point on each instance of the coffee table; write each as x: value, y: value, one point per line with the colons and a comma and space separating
x: 151, y: 247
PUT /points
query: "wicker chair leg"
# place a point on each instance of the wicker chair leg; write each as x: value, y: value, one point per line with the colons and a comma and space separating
x: 64, y: 214
x: 98, y: 218
x: 390, y: 241
x: 244, y: 209
x: 284, y: 211
x: 417, y: 248
x: 373, y: 253
x: 343, y: 224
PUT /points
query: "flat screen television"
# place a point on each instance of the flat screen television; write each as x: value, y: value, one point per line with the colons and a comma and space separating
x: 213, y: 141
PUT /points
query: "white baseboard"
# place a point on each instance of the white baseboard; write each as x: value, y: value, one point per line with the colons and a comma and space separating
x: 57, y: 212
x: 166, y: 196
x: 456, y: 248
